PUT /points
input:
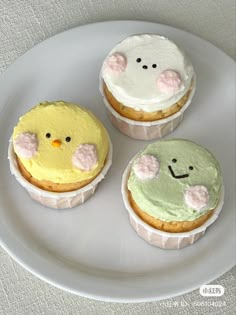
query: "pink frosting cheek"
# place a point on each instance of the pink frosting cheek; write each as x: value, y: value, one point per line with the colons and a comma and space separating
x: 116, y: 63
x: 169, y: 82
x: 26, y: 145
x: 85, y: 157
x: 196, y: 197
x: 146, y: 167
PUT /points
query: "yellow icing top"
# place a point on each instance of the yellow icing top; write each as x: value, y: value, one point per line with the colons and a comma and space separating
x: 53, y: 159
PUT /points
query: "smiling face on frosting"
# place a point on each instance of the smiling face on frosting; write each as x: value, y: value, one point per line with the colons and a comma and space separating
x: 60, y: 142
x: 147, y: 72
x: 175, y: 180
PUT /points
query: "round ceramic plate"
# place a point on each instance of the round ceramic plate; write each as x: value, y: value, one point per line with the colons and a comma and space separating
x: 92, y: 250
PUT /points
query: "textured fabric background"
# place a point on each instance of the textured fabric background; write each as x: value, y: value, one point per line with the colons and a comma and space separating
x: 23, y: 24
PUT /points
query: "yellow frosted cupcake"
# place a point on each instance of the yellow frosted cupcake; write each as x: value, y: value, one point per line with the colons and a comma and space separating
x: 60, y: 147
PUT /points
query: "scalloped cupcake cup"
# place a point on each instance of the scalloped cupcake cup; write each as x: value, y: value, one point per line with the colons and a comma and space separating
x: 146, y: 130
x: 162, y: 239
x: 61, y: 200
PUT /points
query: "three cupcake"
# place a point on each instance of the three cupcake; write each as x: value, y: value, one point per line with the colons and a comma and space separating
x: 172, y: 190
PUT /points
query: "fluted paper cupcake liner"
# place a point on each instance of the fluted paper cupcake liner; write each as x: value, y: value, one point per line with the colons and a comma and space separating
x: 146, y: 130
x: 162, y: 239
x: 58, y: 200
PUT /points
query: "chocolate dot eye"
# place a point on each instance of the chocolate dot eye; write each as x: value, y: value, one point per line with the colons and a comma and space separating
x: 68, y: 139
x: 154, y: 65
x: 138, y: 59
x: 48, y: 135
x: 145, y: 67
x: 174, y: 160
x: 191, y: 168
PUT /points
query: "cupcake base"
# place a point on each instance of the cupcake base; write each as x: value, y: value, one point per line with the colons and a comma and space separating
x: 58, y: 200
x: 146, y: 130
x: 50, y: 186
x: 139, y: 115
x: 162, y: 239
x: 173, y: 227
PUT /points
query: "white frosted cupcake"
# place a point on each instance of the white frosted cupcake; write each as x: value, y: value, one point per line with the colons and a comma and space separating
x: 173, y: 191
x: 147, y: 82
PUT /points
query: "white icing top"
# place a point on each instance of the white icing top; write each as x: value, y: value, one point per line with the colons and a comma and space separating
x: 147, y: 72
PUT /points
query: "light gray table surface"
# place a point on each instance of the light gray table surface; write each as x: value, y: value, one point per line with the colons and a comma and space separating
x: 25, y: 23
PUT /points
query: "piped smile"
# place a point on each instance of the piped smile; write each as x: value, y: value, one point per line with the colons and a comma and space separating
x: 177, y: 176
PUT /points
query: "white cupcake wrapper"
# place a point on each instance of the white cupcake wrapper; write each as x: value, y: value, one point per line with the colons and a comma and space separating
x: 58, y: 200
x: 160, y: 238
x: 146, y: 130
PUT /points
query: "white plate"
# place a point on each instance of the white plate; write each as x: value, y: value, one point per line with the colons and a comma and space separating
x: 92, y: 250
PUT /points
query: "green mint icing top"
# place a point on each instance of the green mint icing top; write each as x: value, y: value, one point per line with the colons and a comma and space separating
x: 182, y: 165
